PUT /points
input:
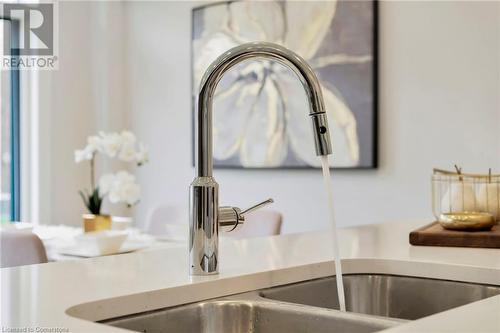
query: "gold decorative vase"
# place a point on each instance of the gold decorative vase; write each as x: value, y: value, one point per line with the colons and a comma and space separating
x: 93, y: 222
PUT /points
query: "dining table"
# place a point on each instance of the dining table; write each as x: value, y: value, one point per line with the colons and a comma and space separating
x: 61, y: 241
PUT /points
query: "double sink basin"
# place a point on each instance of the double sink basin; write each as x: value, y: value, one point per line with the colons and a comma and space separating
x: 374, y: 302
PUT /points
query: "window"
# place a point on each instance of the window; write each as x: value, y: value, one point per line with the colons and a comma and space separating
x: 9, y: 131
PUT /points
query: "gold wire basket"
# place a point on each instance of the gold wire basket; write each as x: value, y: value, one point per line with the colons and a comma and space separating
x: 465, y: 201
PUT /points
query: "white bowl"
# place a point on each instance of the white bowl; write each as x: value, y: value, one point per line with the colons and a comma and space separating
x: 103, y: 242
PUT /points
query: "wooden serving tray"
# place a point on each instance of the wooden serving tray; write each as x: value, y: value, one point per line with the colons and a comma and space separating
x: 435, y: 235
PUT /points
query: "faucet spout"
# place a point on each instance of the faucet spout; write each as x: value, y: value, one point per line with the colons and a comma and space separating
x: 205, y: 213
x: 215, y: 72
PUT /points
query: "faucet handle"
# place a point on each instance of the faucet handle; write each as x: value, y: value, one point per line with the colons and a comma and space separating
x: 257, y: 206
x: 231, y: 217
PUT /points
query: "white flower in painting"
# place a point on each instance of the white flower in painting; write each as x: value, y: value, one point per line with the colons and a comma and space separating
x: 261, y: 108
x: 120, y: 187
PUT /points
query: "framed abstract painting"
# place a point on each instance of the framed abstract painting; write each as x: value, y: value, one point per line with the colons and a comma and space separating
x: 260, y: 107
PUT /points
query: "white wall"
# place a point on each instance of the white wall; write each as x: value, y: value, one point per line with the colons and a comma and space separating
x: 439, y: 105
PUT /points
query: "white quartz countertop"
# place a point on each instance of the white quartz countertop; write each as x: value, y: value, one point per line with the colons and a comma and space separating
x: 71, y: 295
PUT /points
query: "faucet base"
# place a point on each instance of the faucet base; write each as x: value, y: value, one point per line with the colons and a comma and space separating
x: 204, y: 227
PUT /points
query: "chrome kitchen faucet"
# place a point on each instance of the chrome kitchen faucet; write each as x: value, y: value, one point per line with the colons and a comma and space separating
x: 205, y: 214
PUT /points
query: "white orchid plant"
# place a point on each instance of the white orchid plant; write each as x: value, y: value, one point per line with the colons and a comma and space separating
x: 119, y: 187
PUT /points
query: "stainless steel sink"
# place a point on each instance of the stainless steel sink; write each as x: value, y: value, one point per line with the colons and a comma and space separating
x: 385, y: 295
x: 374, y: 302
x: 250, y: 313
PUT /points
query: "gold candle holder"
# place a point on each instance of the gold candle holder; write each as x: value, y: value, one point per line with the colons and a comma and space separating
x: 465, y: 201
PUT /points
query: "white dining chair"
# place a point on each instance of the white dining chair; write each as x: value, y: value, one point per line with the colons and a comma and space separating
x: 168, y: 222
x: 258, y: 224
x: 18, y: 248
